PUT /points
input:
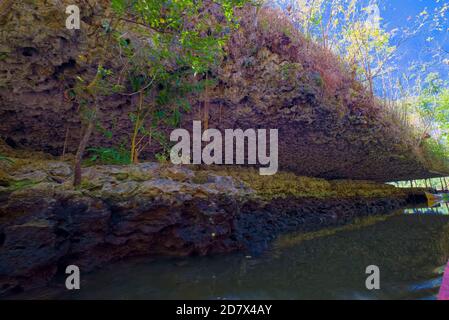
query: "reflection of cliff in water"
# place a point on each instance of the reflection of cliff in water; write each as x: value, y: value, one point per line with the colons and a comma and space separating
x: 408, y: 248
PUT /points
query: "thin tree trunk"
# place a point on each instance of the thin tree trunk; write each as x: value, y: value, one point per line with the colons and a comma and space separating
x: 65, y: 144
x: 206, y: 107
x: 133, y: 141
x: 134, y: 145
x: 256, y: 16
x: 80, y: 152
x: 90, y: 126
x: 371, y: 85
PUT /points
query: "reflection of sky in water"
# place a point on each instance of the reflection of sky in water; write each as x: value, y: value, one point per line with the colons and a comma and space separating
x: 439, y: 208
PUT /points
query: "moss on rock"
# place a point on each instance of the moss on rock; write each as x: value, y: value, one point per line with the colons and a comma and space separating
x: 285, y: 185
x: 191, y: 180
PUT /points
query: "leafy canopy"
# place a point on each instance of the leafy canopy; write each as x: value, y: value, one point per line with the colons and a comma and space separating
x: 167, y: 48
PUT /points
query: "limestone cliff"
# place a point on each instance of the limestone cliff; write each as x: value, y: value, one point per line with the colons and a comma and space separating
x: 270, y: 78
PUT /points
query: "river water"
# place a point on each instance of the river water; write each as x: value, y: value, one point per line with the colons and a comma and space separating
x: 410, y: 247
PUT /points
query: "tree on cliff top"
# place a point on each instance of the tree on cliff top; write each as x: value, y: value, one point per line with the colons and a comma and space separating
x: 167, y: 49
x: 163, y: 46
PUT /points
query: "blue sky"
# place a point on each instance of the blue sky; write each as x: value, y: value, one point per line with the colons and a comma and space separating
x: 418, y: 50
x: 401, y: 14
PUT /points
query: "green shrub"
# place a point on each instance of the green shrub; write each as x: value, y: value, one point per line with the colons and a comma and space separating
x: 101, y: 155
x: 436, y: 148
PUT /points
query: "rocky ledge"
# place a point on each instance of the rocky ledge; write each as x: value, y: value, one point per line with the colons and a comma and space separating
x: 154, y: 209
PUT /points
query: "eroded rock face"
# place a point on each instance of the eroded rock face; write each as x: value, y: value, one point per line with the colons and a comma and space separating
x: 271, y: 78
x: 39, y: 60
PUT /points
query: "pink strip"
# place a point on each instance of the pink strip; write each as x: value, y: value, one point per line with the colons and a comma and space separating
x: 444, y: 290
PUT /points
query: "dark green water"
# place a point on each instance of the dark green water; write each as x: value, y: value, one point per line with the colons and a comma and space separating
x: 410, y: 247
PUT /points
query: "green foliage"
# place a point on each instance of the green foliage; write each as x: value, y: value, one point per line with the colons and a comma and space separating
x: 86, y: 93
x: 6, y: 159
x: 432, y: 105
x: 173, y: 46
x: 101, y: 155
x: 22, y: 184
x: 118, y: 6
x: 286, y: 70
x: 437, y: 149
x: 442, y: 116
x: 106, y: 133
x: 179, y: 31
x: 161, y: 157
